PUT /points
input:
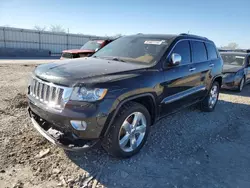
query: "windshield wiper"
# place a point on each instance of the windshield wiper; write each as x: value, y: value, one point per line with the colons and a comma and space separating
x: 117, y: 59
x: 110, y: 58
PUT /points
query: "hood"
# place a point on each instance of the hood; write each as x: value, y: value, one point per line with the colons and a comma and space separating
x: 71, y: 72
x: 231, y: 68
x: 75, y: 51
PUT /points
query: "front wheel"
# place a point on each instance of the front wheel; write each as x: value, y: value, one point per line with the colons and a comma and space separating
x: 210, y: 101
x: 129, y: 131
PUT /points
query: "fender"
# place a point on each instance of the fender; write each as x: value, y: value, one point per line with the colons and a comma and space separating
x: 220, y: 75
x: 127, y: 100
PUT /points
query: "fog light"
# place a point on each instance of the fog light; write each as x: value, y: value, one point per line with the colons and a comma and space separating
x: 79, y: 125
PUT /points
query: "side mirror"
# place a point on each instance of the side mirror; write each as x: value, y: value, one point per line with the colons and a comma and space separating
x: 175, y: 59
x: 96, y: 49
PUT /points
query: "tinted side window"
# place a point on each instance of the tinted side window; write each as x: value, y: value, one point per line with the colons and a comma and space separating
x: 211, y: 51
x: 199, y: 51
x: 183, y: 48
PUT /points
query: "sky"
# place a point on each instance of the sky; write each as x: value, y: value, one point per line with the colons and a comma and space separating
x: 219, y: 20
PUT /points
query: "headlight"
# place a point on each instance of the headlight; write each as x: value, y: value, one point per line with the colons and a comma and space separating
x: 226, y: 75
x: 85, y: 94
x: 239, y: 73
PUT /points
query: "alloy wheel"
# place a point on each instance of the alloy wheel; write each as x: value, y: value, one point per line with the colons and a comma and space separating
x: 132, y: 131
x: 214, y: 92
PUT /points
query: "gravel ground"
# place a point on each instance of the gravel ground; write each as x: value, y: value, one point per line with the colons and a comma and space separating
x: 187, y: 149
x: 28, y: 61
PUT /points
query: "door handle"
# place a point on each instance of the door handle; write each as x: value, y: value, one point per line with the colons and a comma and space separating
x: 211, y: 65
x: 192, y: 69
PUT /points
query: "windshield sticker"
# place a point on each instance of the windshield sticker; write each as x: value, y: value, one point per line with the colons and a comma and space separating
x: 155, y: 42
x: 240, y: 57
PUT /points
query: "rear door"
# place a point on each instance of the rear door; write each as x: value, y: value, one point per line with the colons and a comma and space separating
x: 180, y: 80
x: 202, y: 67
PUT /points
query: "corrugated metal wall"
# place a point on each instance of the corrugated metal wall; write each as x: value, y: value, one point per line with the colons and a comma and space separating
x: 55, y: 42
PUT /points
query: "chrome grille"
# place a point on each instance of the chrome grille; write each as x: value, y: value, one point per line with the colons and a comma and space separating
x: 53, y: 95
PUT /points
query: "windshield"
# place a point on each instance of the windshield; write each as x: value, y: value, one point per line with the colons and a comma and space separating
x: 92, y: 45
x: 70, y: 55
x: 233, y: 59
x: 133, y: 49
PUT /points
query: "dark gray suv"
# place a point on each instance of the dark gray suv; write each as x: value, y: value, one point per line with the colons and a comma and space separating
x: 124, y: 88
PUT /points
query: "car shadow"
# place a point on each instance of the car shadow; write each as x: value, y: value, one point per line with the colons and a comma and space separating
x: 187, y: 149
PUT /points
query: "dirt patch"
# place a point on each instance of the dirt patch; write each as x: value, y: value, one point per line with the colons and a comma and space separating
x: 14, y: 105
x: 19, y: 101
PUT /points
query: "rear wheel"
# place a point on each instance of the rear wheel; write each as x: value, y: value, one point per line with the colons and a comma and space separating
x: 241, y: 85
x: 129, y: 131
x: 210, y: 101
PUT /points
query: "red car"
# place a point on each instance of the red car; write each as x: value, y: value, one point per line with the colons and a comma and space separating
x: 86, y: 50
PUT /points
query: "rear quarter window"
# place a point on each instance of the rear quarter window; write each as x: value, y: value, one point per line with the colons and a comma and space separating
x: 199, y: 51
x: 211, y: 51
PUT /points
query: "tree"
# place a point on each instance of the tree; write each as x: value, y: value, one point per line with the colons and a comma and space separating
x: 231, y: 46
x: 38, y: 28
x: 57, y: 29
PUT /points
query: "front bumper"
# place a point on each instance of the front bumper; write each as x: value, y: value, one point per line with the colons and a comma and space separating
x: 230, y: 82
x: 60, y: 140
x: 93, y: 114
x: 229, y: 85
x: 55, y: 125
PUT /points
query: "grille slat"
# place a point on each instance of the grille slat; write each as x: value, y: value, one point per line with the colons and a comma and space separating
x: 53, y: 97
x: 31, y: 87
x: 35, y: 85
x: 57, y: 96
x: 37, y: 90
x: 42, y: 92
x: 47, y: 93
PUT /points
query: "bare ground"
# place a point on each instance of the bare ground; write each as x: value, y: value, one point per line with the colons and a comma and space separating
x: 187, y: 149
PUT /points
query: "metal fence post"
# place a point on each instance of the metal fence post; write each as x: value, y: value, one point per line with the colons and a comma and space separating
x: 39, y: 35
x: 67, y: 41
x: 4, y: 39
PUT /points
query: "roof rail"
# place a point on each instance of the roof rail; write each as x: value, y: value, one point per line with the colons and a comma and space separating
x: 191, y: 35
x: 235, y: 50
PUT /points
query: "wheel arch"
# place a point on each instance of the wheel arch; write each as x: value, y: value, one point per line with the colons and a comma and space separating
x: 141, y: 98
x: 218, y: 79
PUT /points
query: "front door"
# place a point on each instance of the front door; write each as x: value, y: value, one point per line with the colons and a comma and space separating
x: 180, y: 81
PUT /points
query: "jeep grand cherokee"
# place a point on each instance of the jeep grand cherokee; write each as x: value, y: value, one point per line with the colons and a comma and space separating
x: 116, y: 95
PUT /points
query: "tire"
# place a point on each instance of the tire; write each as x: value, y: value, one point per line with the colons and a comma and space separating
x: 112, y: 142
x: 206, y: 104
x: 241, y: 84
